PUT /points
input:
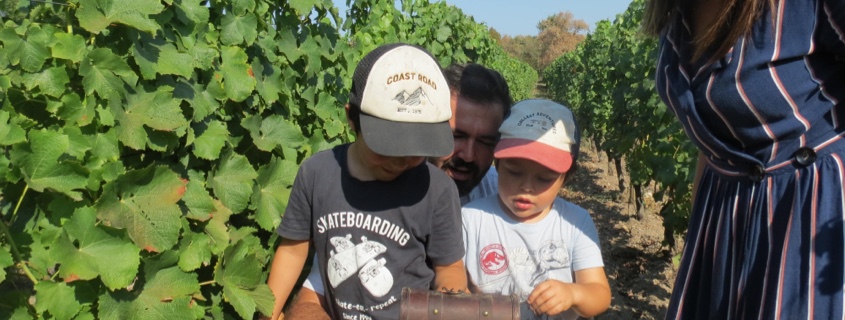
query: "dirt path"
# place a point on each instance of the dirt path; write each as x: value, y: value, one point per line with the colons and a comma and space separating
x: 638, y: 266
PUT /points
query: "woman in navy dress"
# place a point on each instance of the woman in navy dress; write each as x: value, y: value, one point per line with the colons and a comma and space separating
x: 759, y: 86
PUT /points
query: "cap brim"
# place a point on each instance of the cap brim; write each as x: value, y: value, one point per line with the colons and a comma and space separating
x: 550, y: 157
x: 398, y: 139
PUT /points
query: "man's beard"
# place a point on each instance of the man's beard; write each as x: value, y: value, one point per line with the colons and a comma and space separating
x: 475, y: 174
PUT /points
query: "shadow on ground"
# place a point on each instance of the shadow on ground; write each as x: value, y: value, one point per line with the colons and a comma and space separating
x: 638, y: 266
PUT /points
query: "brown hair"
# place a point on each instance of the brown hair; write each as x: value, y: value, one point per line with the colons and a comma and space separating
x: 735, y: 19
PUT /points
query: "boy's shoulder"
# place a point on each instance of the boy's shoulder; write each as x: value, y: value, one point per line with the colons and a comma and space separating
x: 570, y: 211
x: 331, y: 155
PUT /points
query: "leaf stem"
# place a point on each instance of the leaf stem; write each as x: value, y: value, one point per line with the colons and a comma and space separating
x: 18, y: 206
x: 8, y: 234
x: 207, y: 283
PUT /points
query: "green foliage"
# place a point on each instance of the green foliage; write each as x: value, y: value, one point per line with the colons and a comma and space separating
x: 147, y: 148
x: 608, y: 81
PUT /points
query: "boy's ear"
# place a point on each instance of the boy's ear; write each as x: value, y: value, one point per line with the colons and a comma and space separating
x: 348, y: 119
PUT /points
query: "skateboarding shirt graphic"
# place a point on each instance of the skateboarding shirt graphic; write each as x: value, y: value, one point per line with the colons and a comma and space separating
x: 348, y: 259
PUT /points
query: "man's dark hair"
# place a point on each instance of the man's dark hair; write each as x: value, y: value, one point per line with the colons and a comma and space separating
x: 479, y: 84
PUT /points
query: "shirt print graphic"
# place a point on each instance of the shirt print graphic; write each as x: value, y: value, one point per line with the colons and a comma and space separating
x: 529, y: 269
x: 348, y: 258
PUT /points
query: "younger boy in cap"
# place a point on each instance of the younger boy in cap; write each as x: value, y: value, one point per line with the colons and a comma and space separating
x: 379, y: 217
x: 526, y: 240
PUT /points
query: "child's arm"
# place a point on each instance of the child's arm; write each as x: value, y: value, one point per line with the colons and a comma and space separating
x: 287, y: 265
x: 451, y: 277
x: 588, y: 296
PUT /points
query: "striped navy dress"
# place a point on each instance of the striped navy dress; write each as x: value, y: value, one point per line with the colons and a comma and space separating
x: 766, y: 238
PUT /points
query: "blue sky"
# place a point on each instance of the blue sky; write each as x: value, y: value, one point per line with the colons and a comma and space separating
x: 520, y: 17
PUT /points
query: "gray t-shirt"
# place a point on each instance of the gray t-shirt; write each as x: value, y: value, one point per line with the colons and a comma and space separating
x: 489, y: 185
x: 508, y: 257
x: 373, y: 238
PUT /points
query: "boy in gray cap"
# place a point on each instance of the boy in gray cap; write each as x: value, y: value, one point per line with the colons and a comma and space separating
x: 379, y: 217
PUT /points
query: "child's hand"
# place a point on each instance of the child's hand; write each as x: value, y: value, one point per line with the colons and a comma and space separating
x: 551, y: 297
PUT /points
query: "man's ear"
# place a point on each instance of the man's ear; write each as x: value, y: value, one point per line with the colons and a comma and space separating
x: 348, y: 119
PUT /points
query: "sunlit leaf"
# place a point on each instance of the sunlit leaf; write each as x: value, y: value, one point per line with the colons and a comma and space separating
x: 271, y: 192
x: 237, y: 74
x: 68, y: 46
x: 144, y: 203
x: 41, y: 167
x: 199, y: 202
x: 104, y: 72
x: 52, y: 82
x: 211, y: 140
x: 272, y: 131
x: 95, y: 15
x: 98, y: 253
x: 238, y: 29
x: 232, y: 181
x: 56, y: 298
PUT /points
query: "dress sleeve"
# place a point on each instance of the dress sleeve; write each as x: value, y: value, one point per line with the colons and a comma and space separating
x: 445, y: 244
x: 296, y: 221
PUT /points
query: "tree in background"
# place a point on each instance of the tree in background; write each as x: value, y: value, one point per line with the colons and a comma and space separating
x: 558, y: 34
x: 525, y: 48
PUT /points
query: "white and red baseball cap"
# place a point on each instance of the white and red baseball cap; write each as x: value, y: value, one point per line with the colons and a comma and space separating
x: 405, y: 102
x: 542, y: 131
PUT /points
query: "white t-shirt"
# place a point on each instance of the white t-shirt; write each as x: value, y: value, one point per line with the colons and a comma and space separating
x: 509, y: 257
x: 489, y: 185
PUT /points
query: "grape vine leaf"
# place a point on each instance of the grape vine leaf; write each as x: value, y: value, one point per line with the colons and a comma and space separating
x: 239, y: 272
x: 68, y: 46
x: 171, y: 61
x: 200, y: 204
x: 211, y: 140
x: 237, y: 74
x: 104, y: 72
x: 240, y: 7
x: 144, y: 203
x: 30, y: 52
x: 166, y: 295
x: 271, y: 132
x: 96, y: 15
x: 189, y: 11
x: 10, y: 132
x: 271, y: 192
x: 40, y: 165
x: 302, y: 7
x: 52, y: 82
x: 239, y: 29
x: 217, y: 228
x: 114, y: 259
x: 232, y: 181
x: 5, y: 261
x: 195, y: 251
x: 157, y: 110
x: 57, y: 298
